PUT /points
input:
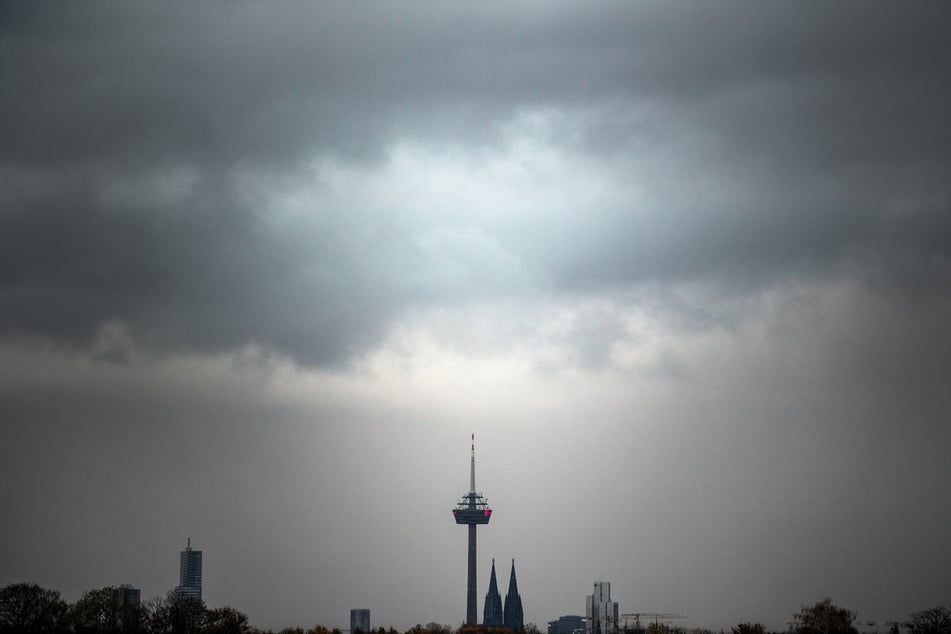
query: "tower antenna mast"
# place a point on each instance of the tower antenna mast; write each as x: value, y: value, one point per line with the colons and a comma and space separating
x: 472, y: 510
x: 472, y: 468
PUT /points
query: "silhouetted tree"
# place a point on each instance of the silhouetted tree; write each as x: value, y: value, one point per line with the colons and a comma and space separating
x: 431, y: 628
x: 934, y: 621
x: 658, y: 628
x: 27, y: 608
x: 825, y: 618
x: 176, y: 614
x: 226, y: 621
x: 318, y: 629
x: 749, y: 628
x: 105, y: 611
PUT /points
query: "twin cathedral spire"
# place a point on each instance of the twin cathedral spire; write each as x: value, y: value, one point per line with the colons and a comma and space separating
x: 508, y: 616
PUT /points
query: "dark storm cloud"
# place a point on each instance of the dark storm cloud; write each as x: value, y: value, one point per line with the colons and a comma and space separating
x: 264, y: 84
x: 770, y: 140
x: 206, y: 276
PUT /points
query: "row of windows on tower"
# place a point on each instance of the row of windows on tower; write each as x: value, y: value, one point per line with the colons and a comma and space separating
x: 508, y: 615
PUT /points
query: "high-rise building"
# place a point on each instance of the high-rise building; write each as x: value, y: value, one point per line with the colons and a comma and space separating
x: 472, y: 510
x: 130, y: 614
x: 189, y: 573
x: 601, y: 611
x: 492, y: 613
x: 129, y: 596
x: 359, y: 621
x: 513, y: 618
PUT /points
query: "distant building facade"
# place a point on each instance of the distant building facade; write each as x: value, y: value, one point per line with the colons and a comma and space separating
x: 129, y: 596
x: 568, y: 624
x: 189, y: 573
x: 512, y: 616
x: 492, y: 615
x: 359, y: 621
x: 600, y: 610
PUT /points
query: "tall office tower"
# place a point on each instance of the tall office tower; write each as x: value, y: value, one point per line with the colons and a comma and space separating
x: 472, y: 510
x: 513, y: 617
x: 189, y: 573
x: 601, y: 611
x: 492, y: 612
x: 360, y: 621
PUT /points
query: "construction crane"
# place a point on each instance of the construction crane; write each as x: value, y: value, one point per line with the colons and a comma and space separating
x: 893, y: 626
x: 657, y: 617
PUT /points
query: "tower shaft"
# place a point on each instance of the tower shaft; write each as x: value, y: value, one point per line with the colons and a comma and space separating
x: 472, y: 617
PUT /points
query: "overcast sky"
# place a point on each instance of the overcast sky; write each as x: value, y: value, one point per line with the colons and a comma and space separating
x: 683, y: 268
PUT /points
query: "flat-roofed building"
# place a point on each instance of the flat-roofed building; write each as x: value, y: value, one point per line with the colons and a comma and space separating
x: 568, y: 624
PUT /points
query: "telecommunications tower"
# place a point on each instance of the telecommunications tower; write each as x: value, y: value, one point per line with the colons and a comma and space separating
x: 472, y: 510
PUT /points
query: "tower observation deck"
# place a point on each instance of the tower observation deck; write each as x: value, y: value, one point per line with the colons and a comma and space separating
x: 472, y: 510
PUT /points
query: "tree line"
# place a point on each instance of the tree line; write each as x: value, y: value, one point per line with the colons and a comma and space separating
x: 827, y: 618
x: 27, y: 608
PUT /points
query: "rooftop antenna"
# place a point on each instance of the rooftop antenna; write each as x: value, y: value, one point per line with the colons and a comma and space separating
x: 472, y: 468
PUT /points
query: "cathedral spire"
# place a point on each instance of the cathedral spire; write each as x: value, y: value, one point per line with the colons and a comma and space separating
x: 493, y: 584
x: 513, y: 618
x: 492, y: 615
x: 513, y: 584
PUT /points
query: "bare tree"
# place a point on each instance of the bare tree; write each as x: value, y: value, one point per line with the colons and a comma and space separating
x: 105, y: 611
x: 934, y: 621
x: 27, y: 608
x: 825, y: 618
x: 226, y: 621
x: 176, y: 614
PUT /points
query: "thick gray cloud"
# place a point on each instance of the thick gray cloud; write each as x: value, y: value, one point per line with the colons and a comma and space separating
x: 765, y: 140
x: 261, y: 267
